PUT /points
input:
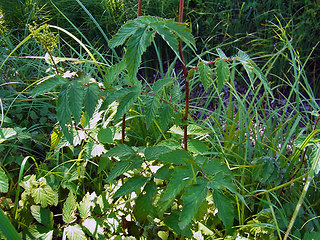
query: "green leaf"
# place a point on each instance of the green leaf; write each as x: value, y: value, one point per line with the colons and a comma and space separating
x: 37, y: 232
x: 120, y: 150
x: 172, y: 222
x: 104, y: 163
x: 75, y: 99
x: 221, y: 54
x: 48, y: 84
x: 192, y: 198
x: 91, y: 98
x: 42, y: 215
x: 4, y: 181
x: 87, y: 204
x: 205, y: 75
x: 113, y: 73
x: 126, y: 102
x: 69, y: 209
x: 315, y: 160
x: 225, y: 209
x: 64, y: 112
x: 182, y: 32
x: 136, y: 46
x: 160, y: 85
x: 132, y: 185
x: 74, y: 232
x: 128, y: 29
x: 214, y: 166
x: 44, y: 194
x: 144, y: 202
x: 223, y: 73
x: 151, y: 108
x: 6, y: 133
x: 94, y: 227
x: 178, y: 157
x: 181, y: 177
x: 153, y: 153
x: 197, y: 146
x: 165, y: 114
x: 105, y: 135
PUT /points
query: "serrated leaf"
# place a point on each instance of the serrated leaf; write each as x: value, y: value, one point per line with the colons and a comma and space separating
x: 37, y: 232
x: 42, y: 215
x: 136, y: 46
x: 160, y: 84
x: 63, y: 112
x: 132, y: 185
x: 165, y: 113
x: 86, y: 205
x: 152, y: 153
x: 181, y: 177
x: 55, y: 138
x: 120, y: 150
x: 95, y: 229
x: 192, y: 198
x: 91, y: 98
x: 182, y: 32
x: 44, y: 194
x: 178, y: 157
x: 48, y: 84
x: 315, y: 160
x: 144, y: 202
x: 151, y: 108
x: 126, y: 102
x: 74, y: 232
x: 105, y: 135
x: 75, y: 98
x: 172, y: 222
x: 197, y: 146
x: 112, y: 73
x: 205, y: 75
x: 214, y: 166
x: 6, y: 133
x: 128, y: 29
x: 69, y: 209
x: 4, y: 181
x: 104, y: 163
x: 223, y: 73
x: 164, y: 173
x: 221, y: 54
x: 225, y: 209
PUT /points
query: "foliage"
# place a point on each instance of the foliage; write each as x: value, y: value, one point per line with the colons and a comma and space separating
x: 108, y: 162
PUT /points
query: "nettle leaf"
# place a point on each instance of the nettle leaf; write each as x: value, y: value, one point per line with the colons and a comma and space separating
x: 136, y: 46
x: 144, y: 202
x: 128, y: 29
x: 48, y: 84
x: 64, y: 112
x: 181, y: 177
x: 69, y: 209
x: 205, y: 75
x: 75, y: 99
x: 91, y: 98
x: 44, y: 194
x: 126, y: 101
x: 132, y: 185
x: 182, y: 32
x: 223, y: 73
x: 192, y: 199
x: 94, y: 228
x: 178, y: 157
x: 4, y: 181
x: 42, y: 215
x: 151, y: 108
x: 225, y: 209
x: 167, y: 36
x: 74, y: 232
x: 86, y: 205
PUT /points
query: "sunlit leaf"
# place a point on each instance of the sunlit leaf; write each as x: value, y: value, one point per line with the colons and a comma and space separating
x: 87, y: 204
x: 4, y: 181
x: 69, y: 209
x: 74, y: 232
x: 42, y: 215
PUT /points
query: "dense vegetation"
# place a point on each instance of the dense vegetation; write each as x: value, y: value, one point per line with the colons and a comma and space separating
x: 197, y: 123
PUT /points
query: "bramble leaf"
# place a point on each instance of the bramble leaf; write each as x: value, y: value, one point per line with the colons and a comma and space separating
x: 225, y: 209
x: 75, y: 99
x: 91, y: 98
x: 205, y: 75
x: 223, y: 73
x: 132, y: 185
x: 42, y: 215
x: 69, y: 208
x: 48, y: 84
x: 86, y: 205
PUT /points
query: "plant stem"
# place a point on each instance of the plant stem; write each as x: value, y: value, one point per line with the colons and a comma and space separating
x: 185, y: 74
x: 123, y: 126
x: 139, y: 8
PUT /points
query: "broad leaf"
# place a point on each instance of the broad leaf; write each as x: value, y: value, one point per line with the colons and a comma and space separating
x: 105, y: 135
x: 160, y: 85
x: 181, y: 177
x: 153, y: 153
x: 151, y: 108
x: 91, y: 98
x: 69, y: 209
x: 225, y: 209
x: 75, y: 98
x: 86, y: 205
x: 48, y: 84
x: 44, y: 194
x: 42, y: 215
x: 4, y: 181
x: 144, y: 202
x: 192, y: 198
x: 222, y: 55
x: 120, y: 150
x: 205, y: 75
x: 223, y: 73
x: 113, y: 73
x: 178, y: 157
x: 172, y: 221
x: 74, y: 232
x: 94, y: 228
x: 182, y: 32
x: 136, y: 46
x: 126, y: 101
x: 37, y: 232
x: 315, y: 160
x: 132, y: 185
x: 6, y: 133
